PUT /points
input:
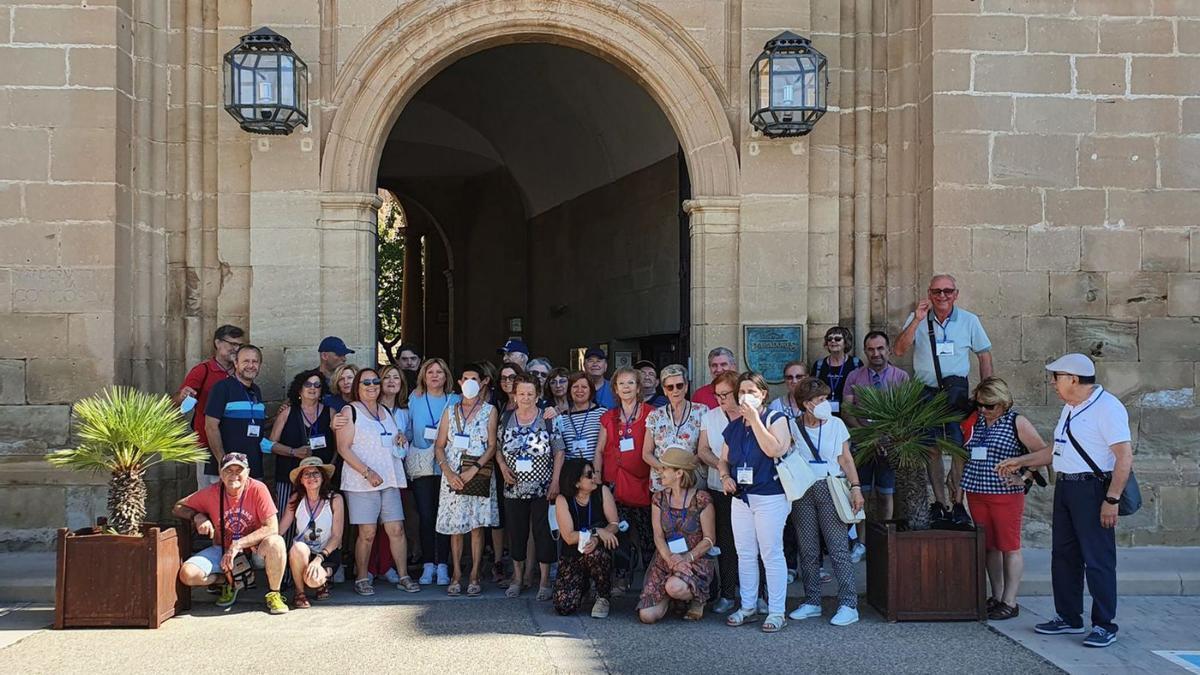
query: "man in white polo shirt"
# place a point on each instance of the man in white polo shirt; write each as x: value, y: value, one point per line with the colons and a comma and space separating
x: 1083, y: 540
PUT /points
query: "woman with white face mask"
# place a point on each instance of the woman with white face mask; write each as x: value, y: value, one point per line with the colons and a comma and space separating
x: 825, y: 443
x: 760, y: 508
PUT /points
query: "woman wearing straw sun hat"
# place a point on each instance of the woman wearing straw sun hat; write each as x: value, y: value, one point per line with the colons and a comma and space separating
x: 317, y: 512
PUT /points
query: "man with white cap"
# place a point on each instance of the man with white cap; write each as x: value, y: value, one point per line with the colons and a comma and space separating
x: 1093, y: 425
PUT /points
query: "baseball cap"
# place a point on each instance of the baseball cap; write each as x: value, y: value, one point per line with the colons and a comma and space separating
x: 645, y: 363
x: 336, y: 345
x: 514, y: 346
x: 1073, y: 364
x: 232, y: 458
x: 595, y: 352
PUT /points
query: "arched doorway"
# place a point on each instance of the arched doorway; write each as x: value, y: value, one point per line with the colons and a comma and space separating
x: 415, y: 43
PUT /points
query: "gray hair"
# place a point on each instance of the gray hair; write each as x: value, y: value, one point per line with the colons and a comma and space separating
x: 943, y: 276
x: 671, y: 371
x: 539, y: 361
x: 722, y: 351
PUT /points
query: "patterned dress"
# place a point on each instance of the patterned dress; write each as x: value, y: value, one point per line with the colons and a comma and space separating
x: 459, y: 514
x: 683, y: 522
x: 667, y: 433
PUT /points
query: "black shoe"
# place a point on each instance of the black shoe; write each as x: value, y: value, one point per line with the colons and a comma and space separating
x: 1099, y: 637
x: 937, y: 513
x: 960, y: 516
x: 1057, y: 626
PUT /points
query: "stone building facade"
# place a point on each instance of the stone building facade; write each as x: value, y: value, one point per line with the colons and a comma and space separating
x: 1043, y: 151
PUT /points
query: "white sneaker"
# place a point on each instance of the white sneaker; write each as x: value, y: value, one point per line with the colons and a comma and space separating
x: 427, y: 574
x: 762, y: 607
x: 806, y: 612
x: 392, y: 576
x: 443, y: 575
x: 339, y: 577
x: 857, y: 553
x: 845, y: 616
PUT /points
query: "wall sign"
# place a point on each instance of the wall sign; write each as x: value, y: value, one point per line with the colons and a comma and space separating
x: 768, y: 348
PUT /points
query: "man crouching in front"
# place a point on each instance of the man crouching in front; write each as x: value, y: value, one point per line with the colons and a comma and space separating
x: 237, y: 512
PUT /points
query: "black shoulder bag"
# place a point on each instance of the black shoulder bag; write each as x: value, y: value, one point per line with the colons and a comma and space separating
x: 1131, y: 496
x: 956, y: 387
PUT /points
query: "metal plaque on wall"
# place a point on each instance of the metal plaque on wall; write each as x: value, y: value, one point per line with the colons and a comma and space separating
x: 769, y: 348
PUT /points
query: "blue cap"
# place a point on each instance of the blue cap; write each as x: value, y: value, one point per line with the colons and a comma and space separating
x: 336, y: 345
x: 595, y: 352
x: 514, y: 346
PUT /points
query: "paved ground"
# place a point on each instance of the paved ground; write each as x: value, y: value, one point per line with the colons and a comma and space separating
x: 431, y: 633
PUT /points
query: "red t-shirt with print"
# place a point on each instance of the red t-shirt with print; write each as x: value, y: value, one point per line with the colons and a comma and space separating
x: 243, y: 515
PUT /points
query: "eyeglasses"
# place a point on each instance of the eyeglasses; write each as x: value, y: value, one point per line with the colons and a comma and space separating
x: 370, y: 382
x: 675, y: 387
x: 834, y: 338
x: 231, y: 343
x: 721, y: 396
x: 312, y: 385
x: 311, y: 474
x: 558, y: 381
x: 943, y: 291
x: 507, y: 378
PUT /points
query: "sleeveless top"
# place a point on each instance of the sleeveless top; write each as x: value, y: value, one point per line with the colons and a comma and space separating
x: 579, y: 518
x: 1001, y: 441
x: 373, y: 443
x: 744, y: 451
x: 295, y: 434
x: 314, y: 532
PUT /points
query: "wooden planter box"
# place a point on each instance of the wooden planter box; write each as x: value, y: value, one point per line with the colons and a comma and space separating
x: 930, y: 575
x: 116, y: 580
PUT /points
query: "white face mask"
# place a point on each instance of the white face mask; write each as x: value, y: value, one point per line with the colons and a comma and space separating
x: 822, y: 410
x: 753, y: 400
x: 470, y: 388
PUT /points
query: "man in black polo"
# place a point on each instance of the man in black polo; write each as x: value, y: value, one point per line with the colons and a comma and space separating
x: 235, y: 414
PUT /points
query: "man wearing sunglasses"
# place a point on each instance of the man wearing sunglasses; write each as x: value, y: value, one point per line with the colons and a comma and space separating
x: 954, y: 333
x: 199, y: 382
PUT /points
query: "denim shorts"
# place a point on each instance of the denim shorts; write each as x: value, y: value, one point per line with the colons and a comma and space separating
x: 376, y: 506
x: 879, y: 475
x: 208, y: 561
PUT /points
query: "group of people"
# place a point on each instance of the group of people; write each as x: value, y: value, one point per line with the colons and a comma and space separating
x: 600, y: 475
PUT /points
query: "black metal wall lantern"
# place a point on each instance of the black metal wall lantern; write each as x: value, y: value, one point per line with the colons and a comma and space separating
x: 788, y: 86
x: 266, y: 84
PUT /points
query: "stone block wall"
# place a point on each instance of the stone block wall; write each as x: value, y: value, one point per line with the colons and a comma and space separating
x: 1064, y: 200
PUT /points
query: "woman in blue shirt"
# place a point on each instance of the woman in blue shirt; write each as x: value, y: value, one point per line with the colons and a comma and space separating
x: 425, y: 407
x: 760, y: 510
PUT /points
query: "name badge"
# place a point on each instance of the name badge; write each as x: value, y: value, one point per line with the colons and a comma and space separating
x: 945, y: 349
x: 626, y: 444
x: 745, y: 475
x: 524, y: 466
x: 253, y: 430
x: 316, y: 442
x: 835, y: 406
x: 978, y: 452
x: 431, y: 433
x: 584, y: 537
x: 1059, y: 446
x: 677, y: 545
x: 462, y: 441
x: 580, y: 447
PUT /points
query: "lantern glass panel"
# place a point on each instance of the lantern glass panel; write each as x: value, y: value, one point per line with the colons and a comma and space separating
x: 762, y: 80
x: 287, y: 81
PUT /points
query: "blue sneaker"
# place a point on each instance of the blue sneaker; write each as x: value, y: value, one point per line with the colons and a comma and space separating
x: 1099, y: 637
x: 1057, y: 626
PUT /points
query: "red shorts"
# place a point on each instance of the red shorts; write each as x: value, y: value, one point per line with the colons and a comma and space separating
x: 1000, y: 516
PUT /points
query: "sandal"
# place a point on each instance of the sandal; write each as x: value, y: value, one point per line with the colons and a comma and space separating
x: 454, y: 588
x: 992, y: 603
x: 407, y: 585
x: 544, y: 593
x: 1004, y: 611
x: 300, y: 601
x: 498, y: 572
x: 741, y: 617
x: 774, y: 623
x: 324, y: 592
x: 474, y: 589
x: 513, y: 590
x: 695, y: 610
x: 364, y: 587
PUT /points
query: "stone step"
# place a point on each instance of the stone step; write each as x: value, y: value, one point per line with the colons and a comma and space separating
x: 1149, y: 570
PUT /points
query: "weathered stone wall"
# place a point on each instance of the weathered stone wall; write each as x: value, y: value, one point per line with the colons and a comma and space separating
x: 1065, y: 194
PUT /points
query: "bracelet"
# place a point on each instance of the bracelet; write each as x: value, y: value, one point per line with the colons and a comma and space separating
x: 856, y: 487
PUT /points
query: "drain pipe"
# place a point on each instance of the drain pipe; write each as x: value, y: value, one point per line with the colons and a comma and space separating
x: 863, y: 88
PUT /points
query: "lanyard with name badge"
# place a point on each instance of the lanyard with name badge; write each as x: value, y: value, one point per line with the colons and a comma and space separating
x: 627, y: 429
x: 745, y: 472
x: 1060, y: 444
x: 979, y: 446
x: 677, y: 544
x: 682, y: 420
x: 431, y: 431
x: 316, y: 440
x: 578, y: 440
x: 383, y: 432
x: 524, y: 463
x: 253, y: 430
x: 585, y: 535
x: 462, y: 441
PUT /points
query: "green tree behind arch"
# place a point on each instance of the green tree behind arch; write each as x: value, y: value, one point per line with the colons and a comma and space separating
x: 389, y: 275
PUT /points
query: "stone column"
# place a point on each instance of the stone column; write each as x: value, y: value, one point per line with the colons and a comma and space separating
x: 347, y: 287
x: 716, y: 319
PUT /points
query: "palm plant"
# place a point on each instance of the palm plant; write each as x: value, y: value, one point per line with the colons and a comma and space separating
x: 124, y: 432
x: 898, y: 432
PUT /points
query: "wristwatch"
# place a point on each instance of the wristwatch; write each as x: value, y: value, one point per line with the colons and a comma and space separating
x: 1112, y: 500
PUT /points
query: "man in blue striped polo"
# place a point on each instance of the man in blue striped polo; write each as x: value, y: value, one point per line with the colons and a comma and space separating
x: 235, y: 415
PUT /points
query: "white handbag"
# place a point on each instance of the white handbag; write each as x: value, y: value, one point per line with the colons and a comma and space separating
x: 795, y: 475
x: 839, y: 491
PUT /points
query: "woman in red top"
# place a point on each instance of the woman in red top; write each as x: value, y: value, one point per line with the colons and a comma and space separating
x: 622, y: 431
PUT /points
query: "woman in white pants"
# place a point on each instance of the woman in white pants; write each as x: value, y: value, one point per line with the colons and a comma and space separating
x: 760, y: 508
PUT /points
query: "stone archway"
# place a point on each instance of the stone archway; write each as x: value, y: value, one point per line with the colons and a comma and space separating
x: 417, y: 41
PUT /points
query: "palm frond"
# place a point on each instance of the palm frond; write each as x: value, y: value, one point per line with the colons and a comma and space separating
x: 123, y: 430
x: 900, y: 420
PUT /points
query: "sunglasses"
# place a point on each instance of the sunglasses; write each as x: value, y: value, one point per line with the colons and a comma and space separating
x: 675, y: 387
x: 370, y: 382
x: 558, y: 381
x: 943, y: 291
x: 833, y: 338
x: 987, y: 406
x: 312, y: 385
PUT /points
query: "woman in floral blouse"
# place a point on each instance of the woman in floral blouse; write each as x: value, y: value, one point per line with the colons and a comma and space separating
x: 675, y: 425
